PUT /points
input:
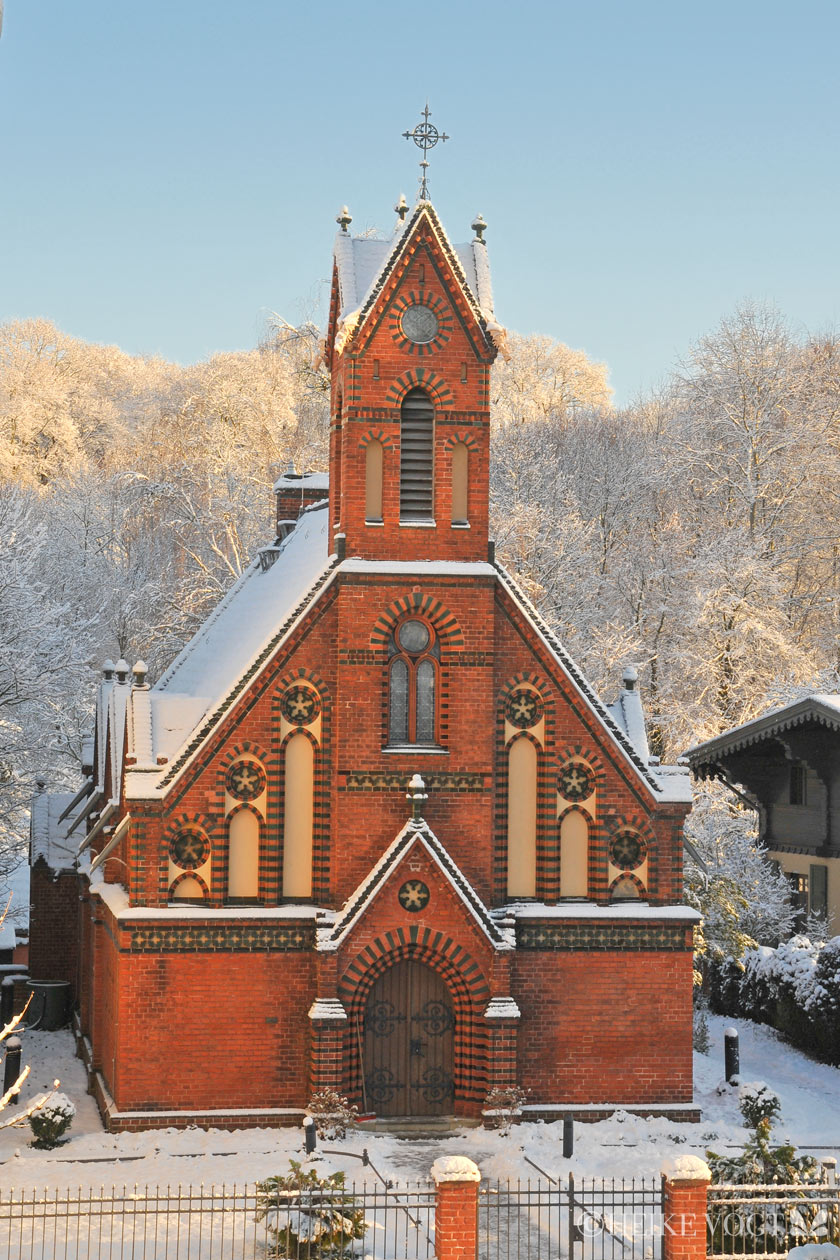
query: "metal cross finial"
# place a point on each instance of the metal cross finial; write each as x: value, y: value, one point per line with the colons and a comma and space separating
x: 425, y: 135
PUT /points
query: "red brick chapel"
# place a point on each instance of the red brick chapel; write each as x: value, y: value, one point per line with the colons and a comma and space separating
x: 373, y: 829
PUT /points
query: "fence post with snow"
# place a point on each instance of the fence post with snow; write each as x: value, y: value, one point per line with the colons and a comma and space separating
x: 684, y: 1209
x: 456, y: 1207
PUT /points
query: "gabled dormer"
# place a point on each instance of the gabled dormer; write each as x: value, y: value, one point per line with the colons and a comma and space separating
x: 411, y: 338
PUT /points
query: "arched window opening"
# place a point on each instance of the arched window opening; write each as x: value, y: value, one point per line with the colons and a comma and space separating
x: 417, y: 434
x: 373, y: 481
x: 337, y: 439
x: 189, y: 889
x: 460, y: 481
x: 626, y: 888
x: 298, y: 816
x: 522, y: 819
x: 243, y: 857
x: 412, y: 684
x: 574, y: 855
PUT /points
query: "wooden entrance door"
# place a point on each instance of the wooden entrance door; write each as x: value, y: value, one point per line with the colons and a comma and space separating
x: 409, y: 1043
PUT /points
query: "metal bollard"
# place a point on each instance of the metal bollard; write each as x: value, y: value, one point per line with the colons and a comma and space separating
x: 568, y: 1137
x: 11, y: 1070
x: 310, y: 1134
x: 7, y: 1000
x: 732, y: 1057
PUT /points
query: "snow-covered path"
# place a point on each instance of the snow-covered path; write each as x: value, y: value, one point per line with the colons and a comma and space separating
x: 624, y: 1146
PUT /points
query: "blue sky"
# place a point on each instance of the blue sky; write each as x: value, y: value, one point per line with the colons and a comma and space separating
x: 171, y: 170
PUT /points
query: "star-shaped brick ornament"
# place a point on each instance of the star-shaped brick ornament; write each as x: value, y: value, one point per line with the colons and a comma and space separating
x: 414, y: 895
x: 524, y: 708
x: 246, y: 781
x: 188, y: 850
x: 301, y: 706
x: 576, y: 782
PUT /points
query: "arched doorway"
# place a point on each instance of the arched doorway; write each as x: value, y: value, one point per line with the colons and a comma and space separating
x: 409, y: 1043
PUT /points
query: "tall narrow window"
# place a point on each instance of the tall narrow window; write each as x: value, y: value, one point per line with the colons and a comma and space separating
x: 412, y: 684
x: 460, y: 478
x: 373, y: 481
x: 522, y: 819
x: 298, y: 817
x: 417, y: 431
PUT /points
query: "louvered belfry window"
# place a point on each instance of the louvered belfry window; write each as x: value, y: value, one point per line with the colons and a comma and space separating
x: 417, y: 435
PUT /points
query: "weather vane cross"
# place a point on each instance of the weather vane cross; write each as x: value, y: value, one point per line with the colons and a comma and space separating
x: 425, y: 135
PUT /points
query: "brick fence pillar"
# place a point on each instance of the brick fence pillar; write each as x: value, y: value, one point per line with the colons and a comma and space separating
x: 456, y: 1208
x: 684, y: 1215
x: 329, y: 1020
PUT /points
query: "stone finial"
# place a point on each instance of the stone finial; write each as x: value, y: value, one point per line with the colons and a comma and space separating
x: 479, y: 227
x: 401, y: 208
x: 140, y: 671
x: 344, y: 219
x: 454, y: 1168
x: 417, y: 795
x: 122, y: 670
x: 108, y: 668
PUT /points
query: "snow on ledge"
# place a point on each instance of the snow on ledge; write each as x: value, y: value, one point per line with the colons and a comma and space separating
x: 686, y: 1168
x: 451, y: 568
x: 502, y: 1008
x: 327, y: 1008
x: 454, y: 1168
x: 814, y: 1251
x: 115, y: 897
x: 635, y: 910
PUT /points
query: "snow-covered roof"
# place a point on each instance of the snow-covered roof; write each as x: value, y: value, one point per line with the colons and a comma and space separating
x: 303, y: 481
x: 167, y: 721
x: 48, y: 832
x: 629, y: 714
x: 823, y: 709
x: 667, y: 783
x: 362, y: 265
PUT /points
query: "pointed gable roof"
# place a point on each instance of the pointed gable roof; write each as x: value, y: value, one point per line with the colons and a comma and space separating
x: 824, y: 710
x: 363, y: 266
x: 416, y: 831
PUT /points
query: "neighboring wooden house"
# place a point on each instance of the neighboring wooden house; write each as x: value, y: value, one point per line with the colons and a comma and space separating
x: 263, y: 911
x: 787, y: 765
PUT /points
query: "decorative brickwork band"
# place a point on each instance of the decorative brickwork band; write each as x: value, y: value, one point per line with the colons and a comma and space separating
x: 684, y: 1210
x: 383, y: 781
x: 421, y: 378
x: 220, y: 938
x: 674, y: 937
x: 456, y: 1208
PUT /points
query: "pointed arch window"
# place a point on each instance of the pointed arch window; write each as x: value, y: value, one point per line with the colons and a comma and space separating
x: 413, y: 684
x: 417, y: 436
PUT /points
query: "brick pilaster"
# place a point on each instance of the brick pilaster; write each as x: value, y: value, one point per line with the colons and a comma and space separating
x: 684, y: 1214
x: 456, y: 1207
x: 329, y: 1020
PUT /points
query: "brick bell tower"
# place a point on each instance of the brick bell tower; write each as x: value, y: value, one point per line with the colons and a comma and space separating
x: 409, y: 346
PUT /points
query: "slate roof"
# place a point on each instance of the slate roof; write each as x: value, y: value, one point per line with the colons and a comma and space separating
x: 824, y: 710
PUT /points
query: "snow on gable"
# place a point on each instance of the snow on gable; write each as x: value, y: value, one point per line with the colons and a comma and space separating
x: 823, y: 709
x: 48, y: 838
x: 667, y: 783
x: 335, y: 929
x: 248, y: 623
x: 363, y: 265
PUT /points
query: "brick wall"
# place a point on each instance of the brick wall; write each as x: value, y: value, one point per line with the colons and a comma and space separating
x: 54, y: 926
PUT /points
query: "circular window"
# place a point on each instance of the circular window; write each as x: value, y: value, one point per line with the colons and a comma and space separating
x: 419, y: 324
x: 413, y: 636
x: 188, y: 850
x: 627, y: 851
x: 245, y: 781
x: 523, y: 709
x: 300, y: 705
x: 576, y: 782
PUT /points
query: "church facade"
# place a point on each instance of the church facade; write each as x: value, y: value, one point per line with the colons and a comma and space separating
x: 372, y: 829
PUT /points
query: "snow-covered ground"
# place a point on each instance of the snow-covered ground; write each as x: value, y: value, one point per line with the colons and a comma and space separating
x: 624, y: 1146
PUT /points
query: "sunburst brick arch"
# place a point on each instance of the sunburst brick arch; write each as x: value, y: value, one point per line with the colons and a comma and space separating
x: 421, y: 378
x: 464, y: 979
x: 445, y: 622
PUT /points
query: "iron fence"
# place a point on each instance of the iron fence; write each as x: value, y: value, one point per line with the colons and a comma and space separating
x: 768, y: 1220
x: 217, y: 1223
x: 586, y: 1219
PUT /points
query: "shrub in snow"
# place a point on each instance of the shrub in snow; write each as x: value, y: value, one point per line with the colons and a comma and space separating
x: 502, y: 1106
x: 763, y: 1164
x: 758, y: 1102
x: 309, y: 1215
x: 332, y: 1114
x: 701, y: 1041
x: 51, y: 1120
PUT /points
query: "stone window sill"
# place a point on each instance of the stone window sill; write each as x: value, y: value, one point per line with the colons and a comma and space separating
x: 434, y: 749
